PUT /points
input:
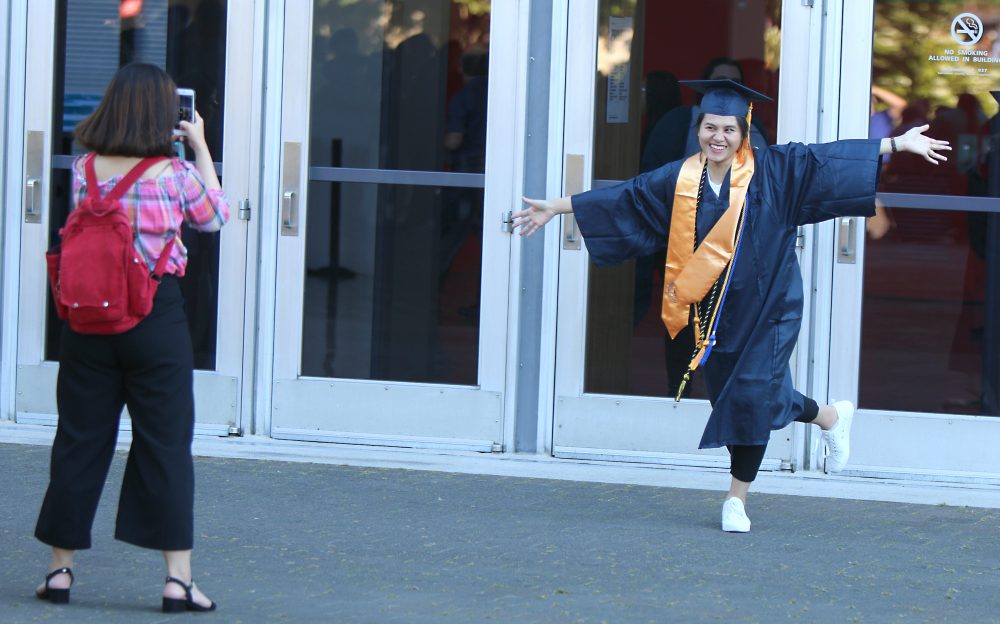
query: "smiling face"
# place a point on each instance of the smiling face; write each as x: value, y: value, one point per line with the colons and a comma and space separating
x: 720, y: 137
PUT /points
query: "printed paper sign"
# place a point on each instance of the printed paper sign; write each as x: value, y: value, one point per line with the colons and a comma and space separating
x: 619, y: 45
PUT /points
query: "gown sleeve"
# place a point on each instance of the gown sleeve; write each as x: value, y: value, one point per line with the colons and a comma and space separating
x: 629, y: 219
x: 813, y: 183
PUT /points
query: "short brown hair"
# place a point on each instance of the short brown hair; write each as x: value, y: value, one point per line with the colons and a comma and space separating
x: 136, y: 116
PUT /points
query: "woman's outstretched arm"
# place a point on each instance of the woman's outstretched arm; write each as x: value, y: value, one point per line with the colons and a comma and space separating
x: 539, y: 212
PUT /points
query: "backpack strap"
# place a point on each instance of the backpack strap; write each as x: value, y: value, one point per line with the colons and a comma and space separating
x: 123, y: 185
x: 93, y: 191
x: 130, y: 178
x: 161, y: 262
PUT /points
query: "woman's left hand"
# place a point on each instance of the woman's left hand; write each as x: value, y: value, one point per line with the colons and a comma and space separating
x: 915, y: 142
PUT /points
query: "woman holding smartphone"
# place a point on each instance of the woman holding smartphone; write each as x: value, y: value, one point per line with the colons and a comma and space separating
x: 149, y: 368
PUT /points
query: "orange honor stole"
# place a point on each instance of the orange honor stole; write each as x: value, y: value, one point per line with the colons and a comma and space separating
x: 690, y: 273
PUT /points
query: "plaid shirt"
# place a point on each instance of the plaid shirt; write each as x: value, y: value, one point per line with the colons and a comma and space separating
x: 158, y: 206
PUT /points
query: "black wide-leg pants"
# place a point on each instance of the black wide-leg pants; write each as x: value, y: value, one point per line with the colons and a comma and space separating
x: 150, y: 369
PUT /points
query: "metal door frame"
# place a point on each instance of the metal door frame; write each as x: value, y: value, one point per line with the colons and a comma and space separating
x: 917, y: 434
x: 24, y: 371
x: 802, y: 54
x: 500, y: 269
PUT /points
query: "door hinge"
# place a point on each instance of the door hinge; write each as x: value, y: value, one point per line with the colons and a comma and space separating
x: 244, y: 209
x: 497, y: 447
x: 507, y: 222
x: 235, y: 431
x: 788, y: 465
x: 809, y: 3
x: 800, y: 238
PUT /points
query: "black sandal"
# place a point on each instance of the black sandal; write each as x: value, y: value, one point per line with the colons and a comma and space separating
x: 177, y: 605
x: 53, y: 595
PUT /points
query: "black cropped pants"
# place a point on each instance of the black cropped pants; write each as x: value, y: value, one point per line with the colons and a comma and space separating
x: 149, y: 369
x: 745, y: 460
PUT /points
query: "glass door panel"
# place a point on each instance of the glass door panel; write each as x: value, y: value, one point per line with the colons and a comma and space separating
x: 386, y: 282
x: 88, y: 41
x: 94, y: 39
x: 927, y: 363
x: 618, y: 370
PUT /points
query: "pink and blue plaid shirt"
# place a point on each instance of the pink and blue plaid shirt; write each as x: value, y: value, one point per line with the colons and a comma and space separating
x: 158, y: 206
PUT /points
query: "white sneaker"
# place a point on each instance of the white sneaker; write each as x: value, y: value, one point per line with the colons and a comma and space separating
x: 734, y: 516
x: 838, y: 439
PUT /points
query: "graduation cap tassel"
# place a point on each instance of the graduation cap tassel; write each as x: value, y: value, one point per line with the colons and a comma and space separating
x: 684, y: 383
x: 745, y: 148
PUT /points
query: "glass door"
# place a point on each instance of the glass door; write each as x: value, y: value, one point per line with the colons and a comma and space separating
x: 915, y: 337
x: 393, y: 262
x: 73, y: 48
x: 626, y: 114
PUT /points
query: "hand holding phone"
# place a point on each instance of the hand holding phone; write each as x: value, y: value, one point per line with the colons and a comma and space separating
x: 185, y: 109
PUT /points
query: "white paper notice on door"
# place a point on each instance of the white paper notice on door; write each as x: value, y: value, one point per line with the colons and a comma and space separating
x: 620, y: 55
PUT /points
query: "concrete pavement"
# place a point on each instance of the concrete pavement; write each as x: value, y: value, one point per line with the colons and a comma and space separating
x: 303, y: 542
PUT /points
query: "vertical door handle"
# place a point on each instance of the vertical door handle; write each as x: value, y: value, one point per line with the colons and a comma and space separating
x: 847, y: 240
x: 34, y: 162
x: 291, y: 167
x: 287, y: 209
x: 574, y: 185
x: 32, y: 214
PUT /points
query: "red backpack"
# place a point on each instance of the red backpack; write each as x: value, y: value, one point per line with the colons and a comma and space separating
x: 100, y: 283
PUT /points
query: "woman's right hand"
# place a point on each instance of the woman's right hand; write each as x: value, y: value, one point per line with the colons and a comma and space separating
x: 194, y: 133
x: 202, y: 157
x: 537, y: 214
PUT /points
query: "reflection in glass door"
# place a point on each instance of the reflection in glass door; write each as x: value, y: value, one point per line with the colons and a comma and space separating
x: 618, y: 370
x: 392, y: 264
x: 87, y: 41
x: 393, y: 270
x: 927, y: 341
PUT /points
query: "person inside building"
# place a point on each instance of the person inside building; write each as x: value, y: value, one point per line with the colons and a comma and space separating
x: 728, y: 216
x: 149, y: 367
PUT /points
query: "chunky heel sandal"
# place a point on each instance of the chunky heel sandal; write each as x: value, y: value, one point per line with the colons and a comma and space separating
x: 178, y: 605
x: 53, y: 595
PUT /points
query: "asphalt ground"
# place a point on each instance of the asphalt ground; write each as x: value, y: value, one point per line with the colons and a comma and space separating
x: 299, y: 542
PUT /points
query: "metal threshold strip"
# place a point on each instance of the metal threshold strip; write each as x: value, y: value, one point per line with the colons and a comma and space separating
x: 689, y: 460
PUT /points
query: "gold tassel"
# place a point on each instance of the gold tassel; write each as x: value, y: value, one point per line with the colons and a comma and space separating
x: 684, y: 383
x: 745, y: 148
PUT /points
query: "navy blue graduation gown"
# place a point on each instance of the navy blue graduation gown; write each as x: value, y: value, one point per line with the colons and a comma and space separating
x: 748, y: 376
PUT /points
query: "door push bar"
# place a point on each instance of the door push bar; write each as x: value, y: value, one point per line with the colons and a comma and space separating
x: 291, y: 168
x: 573, y: 185
x: 34, y: 163
x: 847, y: 240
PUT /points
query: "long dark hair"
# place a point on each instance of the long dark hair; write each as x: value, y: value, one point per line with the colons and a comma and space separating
x: 136, y: 116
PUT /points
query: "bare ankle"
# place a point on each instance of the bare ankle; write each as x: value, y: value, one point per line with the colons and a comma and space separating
x: 827, y: 417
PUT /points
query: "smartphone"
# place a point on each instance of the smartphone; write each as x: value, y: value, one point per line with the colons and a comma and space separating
x: 185, y: 109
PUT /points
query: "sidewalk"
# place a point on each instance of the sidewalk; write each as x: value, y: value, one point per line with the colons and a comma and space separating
x: 299, y: 542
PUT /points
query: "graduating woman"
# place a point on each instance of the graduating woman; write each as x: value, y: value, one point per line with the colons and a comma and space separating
x: 729, y: 218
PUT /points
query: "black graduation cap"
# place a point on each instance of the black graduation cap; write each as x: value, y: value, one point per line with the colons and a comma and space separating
x: 725, y: 97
